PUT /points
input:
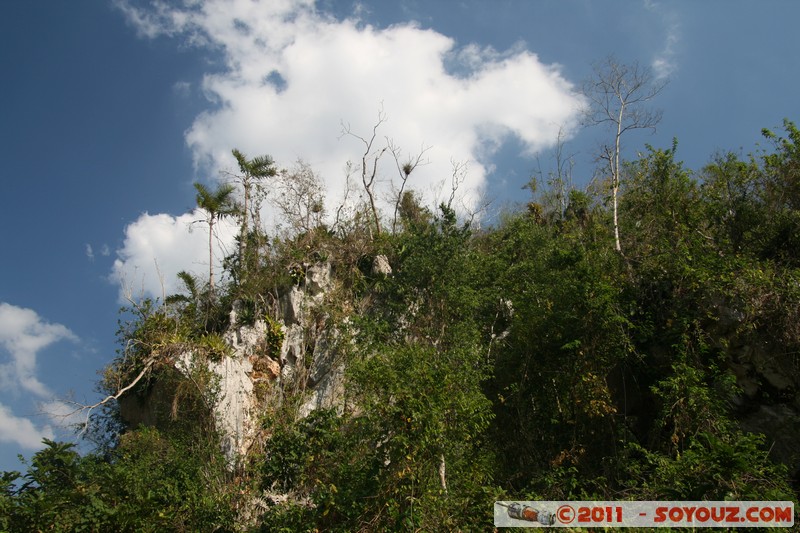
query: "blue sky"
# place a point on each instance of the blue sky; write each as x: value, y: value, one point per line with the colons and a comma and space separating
x: 110, y: 110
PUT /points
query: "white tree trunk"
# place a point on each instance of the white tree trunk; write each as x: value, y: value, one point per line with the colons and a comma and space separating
x: 442, y: 474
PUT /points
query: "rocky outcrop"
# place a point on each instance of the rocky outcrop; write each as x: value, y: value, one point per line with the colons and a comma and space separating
x: 306, y: 363
x: 234, y: 399
x: 781, y: 425
x: 294, y: 353
x: 308, y: 355
x: 769, y: 380
x: 381, y: 266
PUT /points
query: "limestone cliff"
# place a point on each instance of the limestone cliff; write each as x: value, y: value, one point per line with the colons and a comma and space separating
x: 253, y: 377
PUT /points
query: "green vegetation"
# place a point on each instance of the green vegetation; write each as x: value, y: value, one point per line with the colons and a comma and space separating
x: 535, y: 359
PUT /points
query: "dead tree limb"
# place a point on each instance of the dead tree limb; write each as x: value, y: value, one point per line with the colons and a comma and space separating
x: 404, y: 170
x: 369, y: 163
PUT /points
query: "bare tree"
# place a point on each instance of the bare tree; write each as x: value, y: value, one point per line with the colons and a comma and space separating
x: 404, y: 169
x: 344, y: 208
x: 560, y: 180
x: 369, y: 163
x: 300, y: 197
x: 554, y: 199
x: 457, y: 178
x: 618, y: 95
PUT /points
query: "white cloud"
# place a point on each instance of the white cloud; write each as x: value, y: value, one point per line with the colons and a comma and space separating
x: 64, y: 415
x: 157, y: 247
x: 105, y: 251
x: 23, y: 334
x: 463, y: 102
x: 665, y: 62
x: 21, y: 431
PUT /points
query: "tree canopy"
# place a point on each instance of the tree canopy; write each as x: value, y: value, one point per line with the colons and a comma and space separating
x: 525, y: 360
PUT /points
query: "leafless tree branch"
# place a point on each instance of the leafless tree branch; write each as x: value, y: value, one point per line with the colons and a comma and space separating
x: 369, y: 162
x: 404, y: 170
x: 116, y: 396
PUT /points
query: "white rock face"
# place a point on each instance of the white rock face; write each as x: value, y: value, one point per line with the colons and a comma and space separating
x: 237, y: 406
x: 325, y: 376
x: 253, y: 377
x: 235, y: 400
x: 318, y: 278
x: 381, y: 266
x: 244, y: 339
x: 294, y: 306
x: 326, y: 394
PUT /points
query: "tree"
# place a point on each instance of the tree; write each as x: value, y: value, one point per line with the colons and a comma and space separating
x: 150, y: 482
x: 216, y: 204
x: 369, y: 170
x: 552, y: 203
x: 618, y: 96
x: 300, y: 197
x: 369, y: 164
x: 253, y: 171
x: 404, y: 170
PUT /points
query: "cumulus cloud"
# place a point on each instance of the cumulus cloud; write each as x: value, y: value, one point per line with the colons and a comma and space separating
x: 291, y: 75
x: 23, y: 334
x: 157, y: 247
x: 21, y: 431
